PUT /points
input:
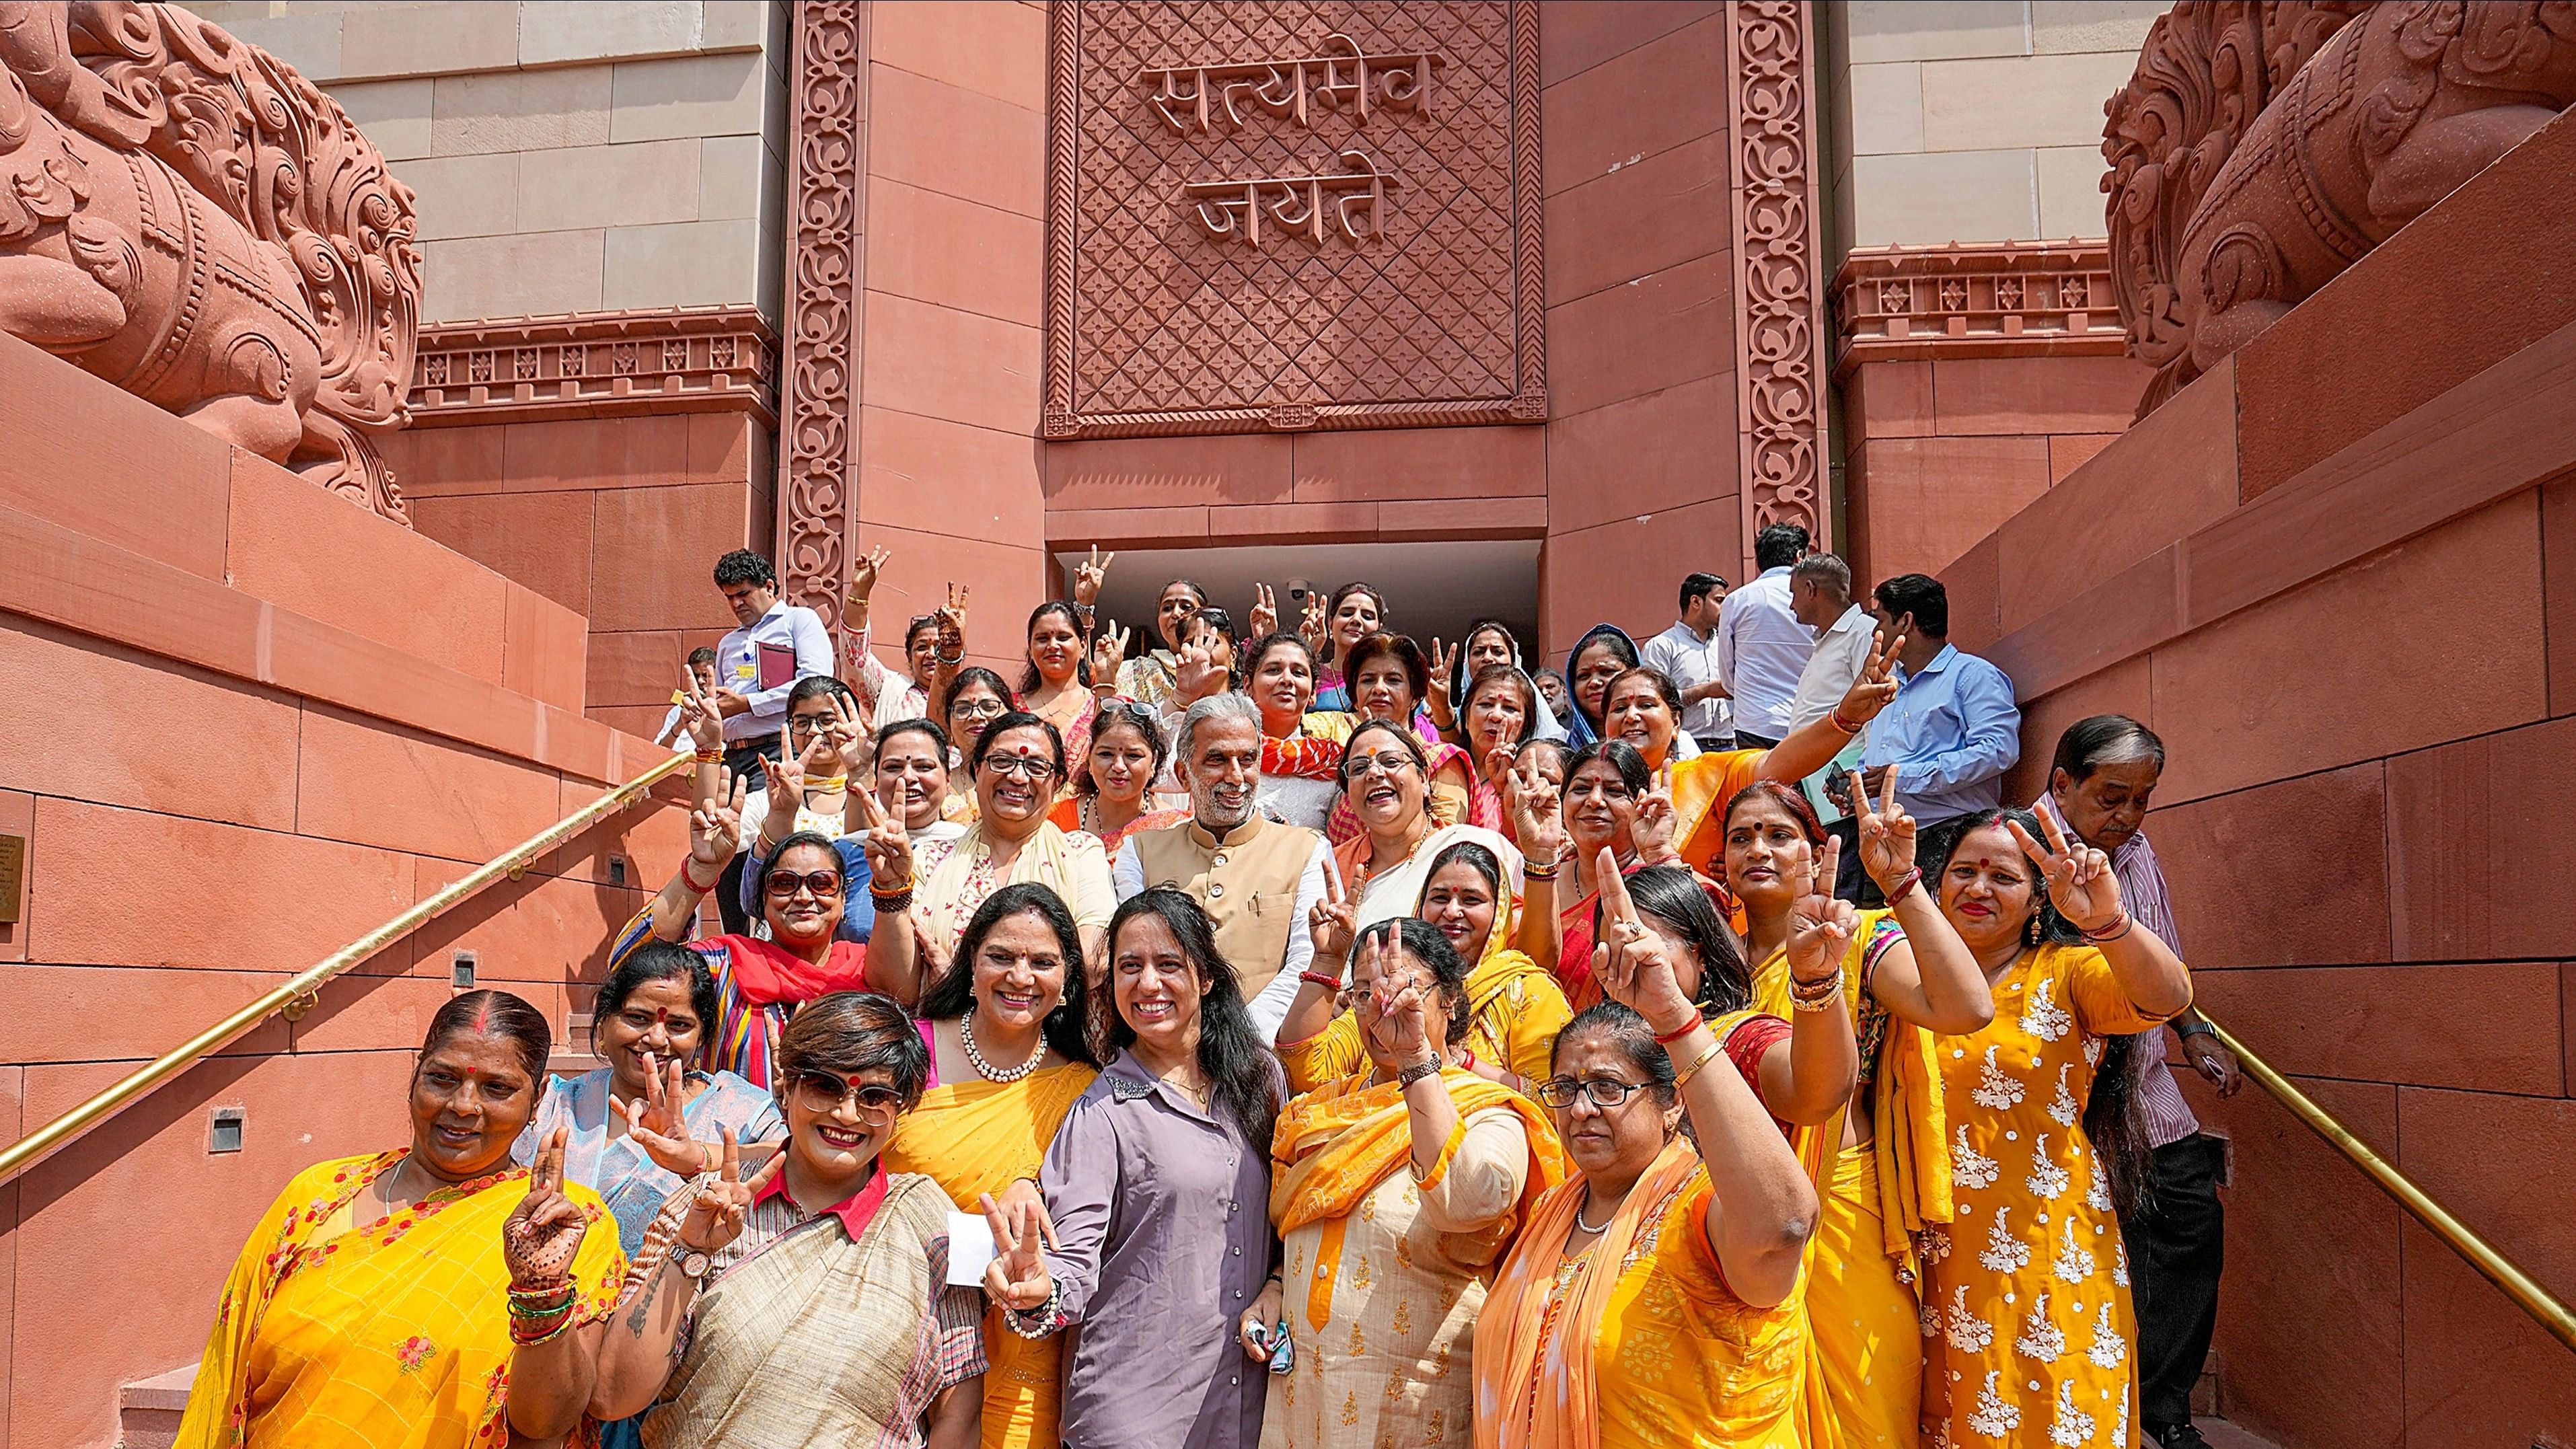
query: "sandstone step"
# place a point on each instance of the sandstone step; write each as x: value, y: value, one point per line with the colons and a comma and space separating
x: 2224, y: 1435
x: 148, y: 1410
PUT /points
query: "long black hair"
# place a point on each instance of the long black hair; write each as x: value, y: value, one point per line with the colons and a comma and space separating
x: 953, y: 994
x: 2119, y: 1138
x: 1673, y: 895
x: 1030, y: 679
x: 1125, y: 715
x: 1232, y: 1051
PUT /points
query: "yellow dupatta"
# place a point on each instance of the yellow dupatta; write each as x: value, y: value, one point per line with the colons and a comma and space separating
x: 1907, y: 1119
x: 392, y: 1334
x: 976, y: 1137
x: 1515, y: 1034
x: 1335, y: 1144
x: 1702, y: 785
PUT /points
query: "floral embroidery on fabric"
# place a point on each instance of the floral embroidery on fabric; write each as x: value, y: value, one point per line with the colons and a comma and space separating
x: 2042, y: 1017
x: 1994, y: 1088
x: 2072, y: 1426
x: 2063, y: 1109
x: 2041, y: 1338
x: 1994, y: 1417
x: 2109, y: 1350
x: 414, y: 1351
x: 1971, y: 1168
x: 2003, y: 1252
x: 2046, y: 1179
x: 1968, y: 1333
x: 2073, y: 1262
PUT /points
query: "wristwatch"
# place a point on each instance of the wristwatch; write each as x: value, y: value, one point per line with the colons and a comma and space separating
x: 1417, y: 1071
x: 694, y: 1265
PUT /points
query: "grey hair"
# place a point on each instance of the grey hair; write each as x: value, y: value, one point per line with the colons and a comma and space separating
x: 1825, y: 568
x: 1231, y: 704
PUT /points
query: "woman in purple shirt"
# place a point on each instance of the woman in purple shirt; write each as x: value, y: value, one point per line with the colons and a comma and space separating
x: 1159, y: 1187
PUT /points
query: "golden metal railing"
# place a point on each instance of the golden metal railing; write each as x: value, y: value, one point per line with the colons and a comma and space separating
x: 298, y: 992
x: 2464, y: 1240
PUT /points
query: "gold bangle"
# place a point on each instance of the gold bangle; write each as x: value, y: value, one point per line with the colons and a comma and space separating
x: 1816, y: 997
x: 1682, y: 1078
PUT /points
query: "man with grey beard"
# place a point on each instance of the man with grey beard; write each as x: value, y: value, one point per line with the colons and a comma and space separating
x: 1256, y: 877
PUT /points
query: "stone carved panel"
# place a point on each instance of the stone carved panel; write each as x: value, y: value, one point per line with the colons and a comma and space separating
x: 1779, y: 291
x: 593, y: 365
x: 1396, y: 278
x: 189, y: 218
x: 2003, y: 299
x: 819, y: 366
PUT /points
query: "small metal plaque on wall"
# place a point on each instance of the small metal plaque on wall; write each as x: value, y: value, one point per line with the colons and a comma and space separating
x: 1307, y: 214
x: 13, y: 875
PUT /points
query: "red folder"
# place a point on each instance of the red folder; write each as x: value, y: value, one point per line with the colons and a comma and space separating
x: 777, y: 665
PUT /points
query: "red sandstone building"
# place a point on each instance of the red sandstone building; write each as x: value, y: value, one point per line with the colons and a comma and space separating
x: 1518, y: 309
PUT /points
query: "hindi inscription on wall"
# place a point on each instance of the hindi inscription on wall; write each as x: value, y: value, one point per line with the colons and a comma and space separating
x: 1296, y: 215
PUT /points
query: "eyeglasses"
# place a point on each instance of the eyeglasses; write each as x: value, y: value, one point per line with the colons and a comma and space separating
x: 1560, y: 1092
x: 1027, y: 767
x: 1358, y: 766
x: 823, y: 1091
x: 808, y: 723
x: 783, y: 883
x: 980, y: 709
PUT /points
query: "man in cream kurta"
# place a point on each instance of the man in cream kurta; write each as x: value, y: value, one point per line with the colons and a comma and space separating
x: 1257, y: 878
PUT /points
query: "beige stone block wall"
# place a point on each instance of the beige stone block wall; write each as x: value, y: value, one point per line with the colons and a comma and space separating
x: 1970, y: 120
x: 568, y: 155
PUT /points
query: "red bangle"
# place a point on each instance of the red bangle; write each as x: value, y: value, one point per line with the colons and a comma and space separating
x: 692, y: 881
x: 1663, y: 1039
x: 1835, y: 718
x: 1329, y: 983
x: 1907, y: 882
x: 710, y: 757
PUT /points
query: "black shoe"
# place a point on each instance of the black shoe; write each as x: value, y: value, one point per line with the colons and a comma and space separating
x: 2177, y: 1436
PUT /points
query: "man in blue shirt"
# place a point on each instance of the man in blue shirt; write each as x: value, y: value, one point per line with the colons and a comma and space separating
x: 1953, y: 729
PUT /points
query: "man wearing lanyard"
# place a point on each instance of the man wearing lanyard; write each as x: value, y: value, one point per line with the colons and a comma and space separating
x: 756, y: 665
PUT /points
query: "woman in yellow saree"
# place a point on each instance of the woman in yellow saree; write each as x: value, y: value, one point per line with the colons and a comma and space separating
x: 1880, y: 1166
x: 391, y: 1301
x: 1652, y: 1299
x: 1395, y: 1190
x: 1007, y: 1062
x: 1514, y: 1008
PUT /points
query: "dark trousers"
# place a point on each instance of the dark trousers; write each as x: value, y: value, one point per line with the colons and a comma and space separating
x: 1747, y: 740
x: 2175, y: 1250
x: 1851, y: 882
x: 1714, y: 744
x: 742, y: 761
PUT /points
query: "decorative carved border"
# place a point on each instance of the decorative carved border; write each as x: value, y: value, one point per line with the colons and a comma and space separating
x: 2006, y: 299
x: 1779, y: 300
x: 819, y: 382
x: 1528, y: 402
x: 593, y: 365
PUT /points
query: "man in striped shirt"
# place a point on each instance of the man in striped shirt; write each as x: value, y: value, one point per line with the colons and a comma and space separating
x: 2099, y: 785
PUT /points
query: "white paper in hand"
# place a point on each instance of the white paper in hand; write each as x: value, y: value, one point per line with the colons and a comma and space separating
x: 970, y: 1248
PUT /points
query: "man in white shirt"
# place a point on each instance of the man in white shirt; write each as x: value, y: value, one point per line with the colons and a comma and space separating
x: 1761, y: 646
x: 1820, y: 598
x: 1687, y: 654
x: 1257, y: 877
x: 797, y: 644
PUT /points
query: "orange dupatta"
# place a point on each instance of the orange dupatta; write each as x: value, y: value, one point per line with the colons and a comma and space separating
x: 1513, y: 1410
x: 1338, y: 1142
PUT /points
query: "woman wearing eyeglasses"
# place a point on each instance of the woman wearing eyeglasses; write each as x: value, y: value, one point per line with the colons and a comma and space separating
x: 975, y: 698
x: 1396, y: 1189
x: 759, y: 984
x: 1387, y: 678
x: 1158, y: 1183
x: 807, y: 1303
x: 1017, y: 764
x: 1651, y: 1299
x: 1386, y: 777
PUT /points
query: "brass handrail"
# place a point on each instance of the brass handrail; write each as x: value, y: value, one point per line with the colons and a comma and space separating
x: 2463, y: 1240
x: 297, y: 992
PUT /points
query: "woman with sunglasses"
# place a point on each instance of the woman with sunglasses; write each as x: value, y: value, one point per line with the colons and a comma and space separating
x: 1007, y: 1061
x: 975, y: 698
x: 1017, y: 762
x: 1651, y: 1301
x: 759, y: 983
x: 1880, y: 1166
x: 807, y: 1303
x: 934, y: 645
x: 2031, y: 1284
x: 1158, y: 1185
x: 1396, y: 1189
x: 1113, y: 793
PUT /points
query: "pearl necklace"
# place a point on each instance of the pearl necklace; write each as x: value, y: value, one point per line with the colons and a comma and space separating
x: 985, y: 1069
x: 1587, y: 1227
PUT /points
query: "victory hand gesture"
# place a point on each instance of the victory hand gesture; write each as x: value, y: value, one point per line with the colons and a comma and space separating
x: 1875, y: 685
x: 952, y: 625
x: 1310, y: 627
x: 851, y: 732
x: 715, y: 827
x: 1195, y: 674
x: 2080, y: 882
x: 1886, y: 833
x: 698, y: 713
x: 1390, y: 1013
x: 1108, y: 651
x: 863, y: 575
x: 886, y: 845
x: 1820, y: 927
x: 1444, y: 668
x: 1089, y: 575
x: 1264, y: 617
x: 1653, y: 832
x: 1328, y: 922
x: 1017, y: 1277
x: 718, y: 1206
x: 1632, y: 963
x: 544, y: 1231
x: 1538, y: 821
x: 654, y: 1122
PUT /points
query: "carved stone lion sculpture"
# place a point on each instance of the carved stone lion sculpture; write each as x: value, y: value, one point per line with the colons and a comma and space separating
x: 188, y: 218
x: 2262, y: 148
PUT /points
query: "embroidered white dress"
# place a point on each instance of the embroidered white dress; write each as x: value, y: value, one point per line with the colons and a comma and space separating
x: 2027, y: 1325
